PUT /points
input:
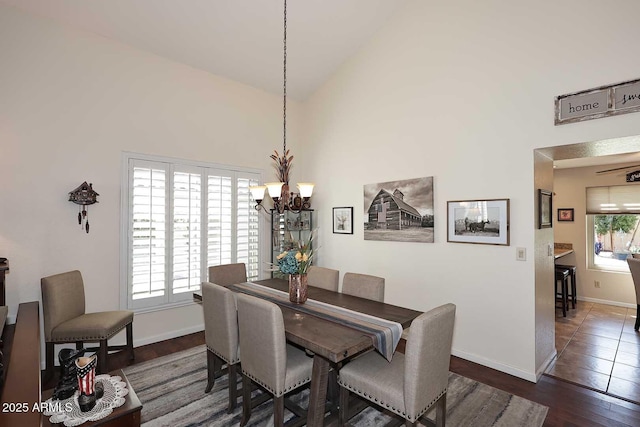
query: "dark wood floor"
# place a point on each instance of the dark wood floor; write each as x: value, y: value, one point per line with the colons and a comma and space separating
x: 569, y: 404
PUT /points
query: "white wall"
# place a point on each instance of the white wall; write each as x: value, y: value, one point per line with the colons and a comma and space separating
x: 569, y: 187
x: 464, y: 92
x: 70, y: 104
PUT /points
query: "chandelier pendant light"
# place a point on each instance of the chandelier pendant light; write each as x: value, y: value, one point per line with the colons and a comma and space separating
x: 283, y: 198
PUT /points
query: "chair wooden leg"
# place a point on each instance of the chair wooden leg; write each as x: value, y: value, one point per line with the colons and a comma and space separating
x: 408, y: 423
x: 132, y: 356
x: 211, y: 371
x: 441, y: 411
x: 102, y: 357
x: 233, y: 387
x: 48, y: 369
x: 278, y: 411
x: 79, y: 345
x: 343, y: 411
x: 246, y: 400
x: 637, y: 325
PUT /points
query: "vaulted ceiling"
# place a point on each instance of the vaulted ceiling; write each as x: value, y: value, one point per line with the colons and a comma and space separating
x: 238, y: 39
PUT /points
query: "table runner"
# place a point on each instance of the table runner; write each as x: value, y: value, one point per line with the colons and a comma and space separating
x: 384, y: 333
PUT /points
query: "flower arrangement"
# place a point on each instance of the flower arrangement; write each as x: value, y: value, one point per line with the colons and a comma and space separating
x: 297, y: 260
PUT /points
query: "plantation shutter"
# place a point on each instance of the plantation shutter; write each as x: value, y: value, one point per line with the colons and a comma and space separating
x: 148, y: 230
x: 247, y: 240
x: 187, y: 231
x: 219, y: 219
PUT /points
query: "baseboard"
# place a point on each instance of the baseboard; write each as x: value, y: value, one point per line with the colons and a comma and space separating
x: 607, y: 302
x: 546, y: 363
x: 529, y: 376
x: 141, y: 342
x: 168, y: 335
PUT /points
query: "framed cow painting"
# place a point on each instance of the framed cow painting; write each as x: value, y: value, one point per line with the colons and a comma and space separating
x: 478, y: 221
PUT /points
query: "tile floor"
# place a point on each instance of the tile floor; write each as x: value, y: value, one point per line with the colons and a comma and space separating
x: 598, y: 348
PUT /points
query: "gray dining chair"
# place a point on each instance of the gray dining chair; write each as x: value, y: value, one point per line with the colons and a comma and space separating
x: 363, y: 286
x: 322, y: 277
x: 268, y: 360
x: 228, y: 274
x: 412, y: 383
x: 221, y: 337
x: 634, y: 266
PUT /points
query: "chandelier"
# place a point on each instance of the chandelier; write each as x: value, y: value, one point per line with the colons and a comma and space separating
x: 283, y: 198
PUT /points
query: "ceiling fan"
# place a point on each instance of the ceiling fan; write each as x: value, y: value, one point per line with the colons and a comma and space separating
x: 618, y: 169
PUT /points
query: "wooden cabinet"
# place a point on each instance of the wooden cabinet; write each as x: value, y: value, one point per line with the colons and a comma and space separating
x: 287, y: 229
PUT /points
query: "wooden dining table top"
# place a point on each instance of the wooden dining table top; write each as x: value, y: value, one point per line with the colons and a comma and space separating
x: 333, y: 341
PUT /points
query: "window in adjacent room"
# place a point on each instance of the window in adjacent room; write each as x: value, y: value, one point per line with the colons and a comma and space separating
x: 613, y: 215
x: 179, y: 218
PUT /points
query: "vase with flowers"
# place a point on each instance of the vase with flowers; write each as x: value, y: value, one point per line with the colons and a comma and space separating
x: 295, y: 262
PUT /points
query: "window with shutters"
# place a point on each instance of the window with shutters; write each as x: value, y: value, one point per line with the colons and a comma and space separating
x: 179, y: 218
x: 613, y: 213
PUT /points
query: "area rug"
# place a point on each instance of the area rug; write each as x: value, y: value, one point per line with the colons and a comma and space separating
x: 171, y: 389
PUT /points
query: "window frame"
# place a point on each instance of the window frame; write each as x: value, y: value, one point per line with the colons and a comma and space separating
x: 171, y: 299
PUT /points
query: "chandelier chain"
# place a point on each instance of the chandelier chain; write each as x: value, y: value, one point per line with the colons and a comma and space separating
x: 284, y: 80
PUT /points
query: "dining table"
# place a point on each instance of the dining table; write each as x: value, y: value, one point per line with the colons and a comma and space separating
x: 331, y: 342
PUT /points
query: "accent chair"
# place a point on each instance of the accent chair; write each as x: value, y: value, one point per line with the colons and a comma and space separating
x: 325, y: 278
x: 363, y: 286
x: 65, y: 320
x: 268, y: 360
x: 411, y: 383
x: 221, y: 337
x: 634, y: 266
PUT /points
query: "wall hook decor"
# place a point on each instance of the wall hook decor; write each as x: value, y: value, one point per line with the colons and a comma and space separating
x: 84, y: 196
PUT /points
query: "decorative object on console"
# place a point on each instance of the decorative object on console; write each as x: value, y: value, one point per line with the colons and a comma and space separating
x: 565, y: 214
x: 86, y: 372
x: 343, y: 220
x: 545, y: 207
x: 283, y: 198
x: 68, y: 383
x: 399, y: 210
x: 295, y: 263
x: 478, y: 221
x: 84, y: 196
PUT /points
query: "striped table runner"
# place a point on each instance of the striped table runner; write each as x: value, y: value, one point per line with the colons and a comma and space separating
x: 384, y: 333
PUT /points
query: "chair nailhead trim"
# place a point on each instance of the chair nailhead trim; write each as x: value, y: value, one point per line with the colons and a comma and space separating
x: 270, y: 390
x: 230, y: 362
x: 411, y: 418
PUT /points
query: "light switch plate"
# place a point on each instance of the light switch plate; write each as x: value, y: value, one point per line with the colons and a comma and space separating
x: 521, y: 254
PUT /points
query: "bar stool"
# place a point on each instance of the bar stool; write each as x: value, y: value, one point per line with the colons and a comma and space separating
x: 572, y: 276
x: 562, y: 276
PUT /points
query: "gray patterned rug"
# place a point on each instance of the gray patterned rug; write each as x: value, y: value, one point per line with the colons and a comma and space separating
x: 171, y: 389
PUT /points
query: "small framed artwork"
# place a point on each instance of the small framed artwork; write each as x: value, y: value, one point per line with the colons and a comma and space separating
x: 343, y: 220
x: 565, y: 214
x: 478, y: 221
x: 544, y: 209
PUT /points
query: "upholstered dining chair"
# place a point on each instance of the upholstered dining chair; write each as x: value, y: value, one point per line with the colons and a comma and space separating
x: 412, y: 383
x: 634, y: 266
x: 65, y: 320
x: 322, y: 277
x: 268, y: 360
x: 221, y: 337
x: 363, y: 286
x: 228, y: 274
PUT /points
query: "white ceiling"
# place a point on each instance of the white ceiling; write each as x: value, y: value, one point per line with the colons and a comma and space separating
x: 237, y: 39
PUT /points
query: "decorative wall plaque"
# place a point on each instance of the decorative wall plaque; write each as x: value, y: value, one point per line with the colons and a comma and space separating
x: 604, y: 101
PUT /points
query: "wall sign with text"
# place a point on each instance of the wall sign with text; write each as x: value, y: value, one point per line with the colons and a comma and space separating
x: 596, y: 103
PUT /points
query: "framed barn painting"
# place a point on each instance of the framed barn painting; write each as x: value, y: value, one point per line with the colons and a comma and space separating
x: 399, y: 211
x: 478, y: 221
x: 343, y: 220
